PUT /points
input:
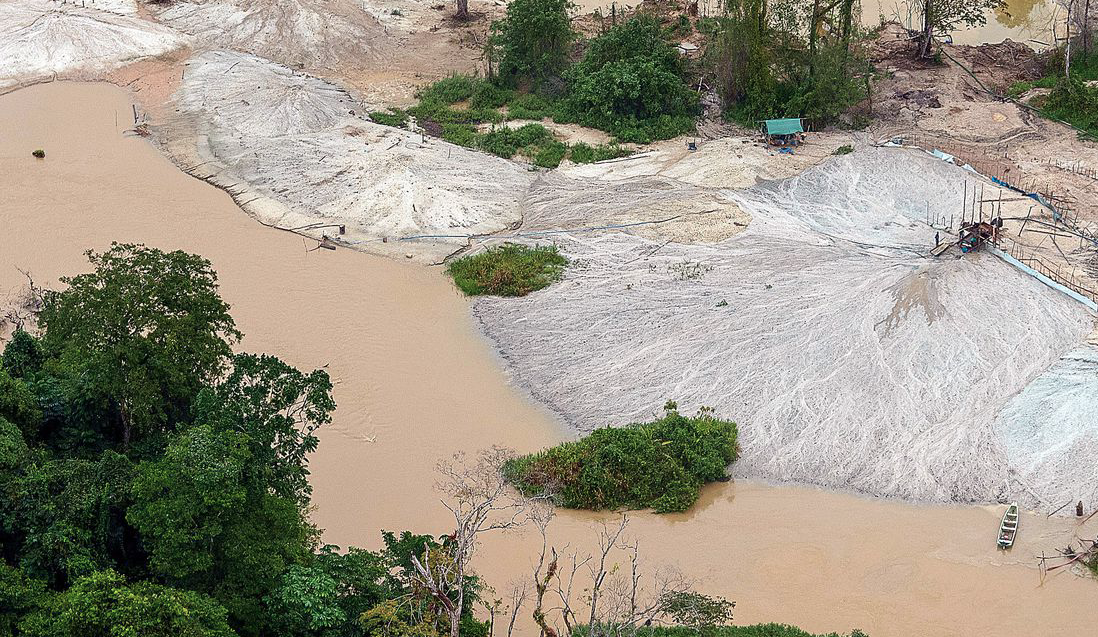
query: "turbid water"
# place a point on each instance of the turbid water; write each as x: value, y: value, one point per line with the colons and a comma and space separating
x: 415, y: 383
x: 1029, y: 21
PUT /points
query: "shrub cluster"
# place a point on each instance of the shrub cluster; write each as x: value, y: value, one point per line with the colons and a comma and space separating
x: 531, y: 43
x: 1071, y: 99
x: 453, y: 107
x: 659, y: 465
x: 508, y: 270
x: 630, y: 83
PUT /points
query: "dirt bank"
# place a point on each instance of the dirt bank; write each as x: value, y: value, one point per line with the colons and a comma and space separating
x: 413, y: 377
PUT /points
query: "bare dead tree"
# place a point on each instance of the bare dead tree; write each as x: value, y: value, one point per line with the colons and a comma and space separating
x: 541, y: 514
x: 516, y: 599
x: 618, y: 601
x: 476, y: 494
x: 21, y: 309
x: 608, y: 540
x: 462, y: 10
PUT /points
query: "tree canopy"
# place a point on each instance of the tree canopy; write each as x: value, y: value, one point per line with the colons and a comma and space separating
x: 145, y: 330
x: 154, y: 483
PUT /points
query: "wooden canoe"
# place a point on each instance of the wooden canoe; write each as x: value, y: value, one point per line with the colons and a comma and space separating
x: 1008, y: 527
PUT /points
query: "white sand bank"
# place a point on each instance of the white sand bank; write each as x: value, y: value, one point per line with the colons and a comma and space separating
x: 39, y: 39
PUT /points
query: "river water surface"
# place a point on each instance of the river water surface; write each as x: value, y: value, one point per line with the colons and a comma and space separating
x: 415, y: 382
x: 1029, y: 21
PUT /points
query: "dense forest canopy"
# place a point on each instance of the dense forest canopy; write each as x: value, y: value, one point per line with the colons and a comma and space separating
x: 155, y: 483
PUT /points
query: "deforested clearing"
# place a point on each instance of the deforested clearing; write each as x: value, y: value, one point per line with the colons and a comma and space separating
x: 849, y: 359
x: 39, y: 39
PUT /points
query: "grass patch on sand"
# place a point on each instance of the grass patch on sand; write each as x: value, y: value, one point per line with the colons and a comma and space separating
x: 453, y: 107
x: 508, y: 270
x: 659, y: 465
x: 582, y: 153
x: 393, y: 117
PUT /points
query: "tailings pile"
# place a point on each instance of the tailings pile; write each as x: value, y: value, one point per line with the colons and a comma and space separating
x: 849, y: 357
x: 40, y: 39
x: 299, y: 153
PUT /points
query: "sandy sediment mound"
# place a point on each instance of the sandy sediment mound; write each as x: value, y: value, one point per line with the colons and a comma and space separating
x: 659, y: 207
x: 1051, y: 431
x: 850, y: 359
x: 309, y: 34
x: 298, y: 152
x: 728, y: 162
x: 39, y: 39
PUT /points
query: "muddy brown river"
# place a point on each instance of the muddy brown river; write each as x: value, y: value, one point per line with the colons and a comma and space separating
x: 415, y: 382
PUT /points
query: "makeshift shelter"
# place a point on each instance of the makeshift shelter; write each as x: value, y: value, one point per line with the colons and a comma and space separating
x: 783, y: 132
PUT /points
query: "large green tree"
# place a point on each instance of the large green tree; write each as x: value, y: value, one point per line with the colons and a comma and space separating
x: 279, y: 409
x: 104, y: 605
x: 630, y: 82
x: 64, y: 518
x: 531, y: 44
x: 183, y: 499
x: 146, y: 328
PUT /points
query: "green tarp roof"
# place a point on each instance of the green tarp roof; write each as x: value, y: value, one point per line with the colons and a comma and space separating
x: 783, y: 126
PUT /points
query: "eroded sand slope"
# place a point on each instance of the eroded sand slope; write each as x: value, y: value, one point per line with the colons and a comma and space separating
x: 298, y: 151
x: 850, y: 359
x: 39, y: 39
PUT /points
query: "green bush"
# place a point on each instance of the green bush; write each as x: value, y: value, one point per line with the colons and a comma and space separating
x: 551, y: 154
x: 630, y: 83
x: 505, y: 142
x: 508, y: 270
x: 661, y: 464
x: 582, y: 153
x: 845, y: 149
x: 395, y: 117
x: 532, y: 42
x: 437, y: 100
x: 488, y: 96
x: 449, y: 90
x: 1074, y: 102
x: 529, y: 106
x: 460, y: 134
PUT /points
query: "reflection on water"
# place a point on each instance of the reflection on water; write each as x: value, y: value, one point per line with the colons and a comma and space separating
x: 1016, y: 13
x: 1029, y: 21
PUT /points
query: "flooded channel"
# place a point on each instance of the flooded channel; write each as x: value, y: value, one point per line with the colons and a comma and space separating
x: 415, y: 382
